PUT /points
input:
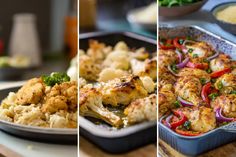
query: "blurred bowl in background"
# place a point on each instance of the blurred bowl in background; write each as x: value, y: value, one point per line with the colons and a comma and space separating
x: 13, y: 73
x: 175, y: 11
x: 227, y: 26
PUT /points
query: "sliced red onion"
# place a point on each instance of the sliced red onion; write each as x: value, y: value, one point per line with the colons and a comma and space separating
x: 172, y: 72
x: 188, y: 41
x: 180, y: 56
x: 183, y: 64
x: 184, y: 102
x: 168, y: 121
x: 220, y: 117
x: 213, y: 56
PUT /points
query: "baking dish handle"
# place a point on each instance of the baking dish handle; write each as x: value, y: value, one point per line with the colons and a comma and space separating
x: 231, y: 127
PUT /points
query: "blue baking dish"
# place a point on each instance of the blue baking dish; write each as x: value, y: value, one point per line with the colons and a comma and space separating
x: 109, y: 139
x: 193, y: 146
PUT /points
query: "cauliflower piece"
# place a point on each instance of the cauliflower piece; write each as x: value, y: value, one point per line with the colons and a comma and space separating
x: 54, y: 104
x: 122, y: 90
x: 148, y: 83
x: 57, y: 121
x: 31, y: 92
x: 90, y: 104
x: 146, y: 68
x: 88, y: 69
x: 144, y: 109
x: 109, y: 73
x: 118, y: 59
x: 140, y: 54
x: 121, y: 45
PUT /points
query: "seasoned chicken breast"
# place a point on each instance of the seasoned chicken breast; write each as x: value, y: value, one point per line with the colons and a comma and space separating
x: 198, y: 73
x: 165, y: 77
x: 167, y: 57
x: 166, y: 99
x: 220, y: 63
x: 122, y: 90
x: 226, y: 83
x: 90, y: 104
x: 144, y: 109
x: 31, y: 92
x: 202, y: 118
x: 189, y: 88
x: 200, y: 49
x: 227, y: 103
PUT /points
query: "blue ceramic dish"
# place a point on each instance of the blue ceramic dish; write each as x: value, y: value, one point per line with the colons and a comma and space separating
x: 193, y: 146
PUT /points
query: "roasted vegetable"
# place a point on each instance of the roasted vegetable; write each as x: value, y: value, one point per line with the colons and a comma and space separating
x: 55, y: 78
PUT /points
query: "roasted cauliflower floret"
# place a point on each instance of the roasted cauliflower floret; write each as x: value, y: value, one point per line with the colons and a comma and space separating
x: 144, y: 109
x: 98, y: 51
x: 148, y: 84
x: 90, y: 104
x: 202, y: 118
x: 140, y: 54
x: 31, y: 92
x: 227, y: 103
x: 54, y: 104
x: 121, y: 45
x: 123, y: 90
x: 88, y: 69
x: 82, y: 82
x: 166, y: 99
x: 110, y: 73
x: 226, y: 83
x: 117, y: 59
x: 146, y: 68
x: 198, y: 73
x: 220, y: 63
x: 189, y: 88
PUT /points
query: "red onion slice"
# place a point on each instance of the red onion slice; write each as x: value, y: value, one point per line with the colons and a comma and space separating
x: 220, y: 117
x: 184, y: 102
x: 213, y: 56
x: 183, y: 64
x: 180, y: 56
x: 172, y: 72
x: 188, y: 41
x: 168, y: 121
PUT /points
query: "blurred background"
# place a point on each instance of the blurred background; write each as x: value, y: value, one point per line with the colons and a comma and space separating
x: 118, y: 15
x: 36, y: 37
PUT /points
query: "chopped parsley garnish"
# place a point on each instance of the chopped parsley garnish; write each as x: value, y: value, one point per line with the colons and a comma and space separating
x: 233, y: 92
x: 220, y: 85
x: 202, y: 80
x: 174, y: 68
x: 187, y: 125
x: 55, y: 78
x: 190, y: 50
x: 209, y: 71
x: 212, y: 96
x: 181, y: 41
x: 177, y: 104
x: 195, y: 55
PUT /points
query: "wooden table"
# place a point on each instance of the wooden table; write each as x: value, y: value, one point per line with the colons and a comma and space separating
x: 228, y: 150
x: 88, y: 149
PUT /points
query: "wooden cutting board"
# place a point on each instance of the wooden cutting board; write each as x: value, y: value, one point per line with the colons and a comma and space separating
x: 87, y: 149
x: 228, y: 150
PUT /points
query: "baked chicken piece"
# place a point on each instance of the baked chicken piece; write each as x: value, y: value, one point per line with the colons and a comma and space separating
x: 165, y: 76
x: 226, y: 83
x: 122, y: 90
x: 189, y: 88
x: 202, y: 118
x: 220, y: 63
x: 110, y: 73
x: 200, y: 49
x: 167, y: 57
x: 31, y: 92
x: 144, y: 109
x: 166, y: 99
x: 88, y: 69
x: 198, y: 73
x: 227, y: 103
x: 145, y: 68
x: 90, y: 104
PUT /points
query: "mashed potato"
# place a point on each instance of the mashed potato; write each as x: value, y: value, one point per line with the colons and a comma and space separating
x: 228, y: 14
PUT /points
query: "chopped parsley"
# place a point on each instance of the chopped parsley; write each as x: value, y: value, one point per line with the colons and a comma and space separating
x: 190, y: 50
x: 212, y: 96
x: 174, y: 68
x: 220, y: 85
x: 202, y: 80
x: 195, y: 55
x: 181, y: 41
x: 233, y: 92
x: 209, y: 71
x: 55, y: 78
x: 187, y: 125
x: 177, y: 104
